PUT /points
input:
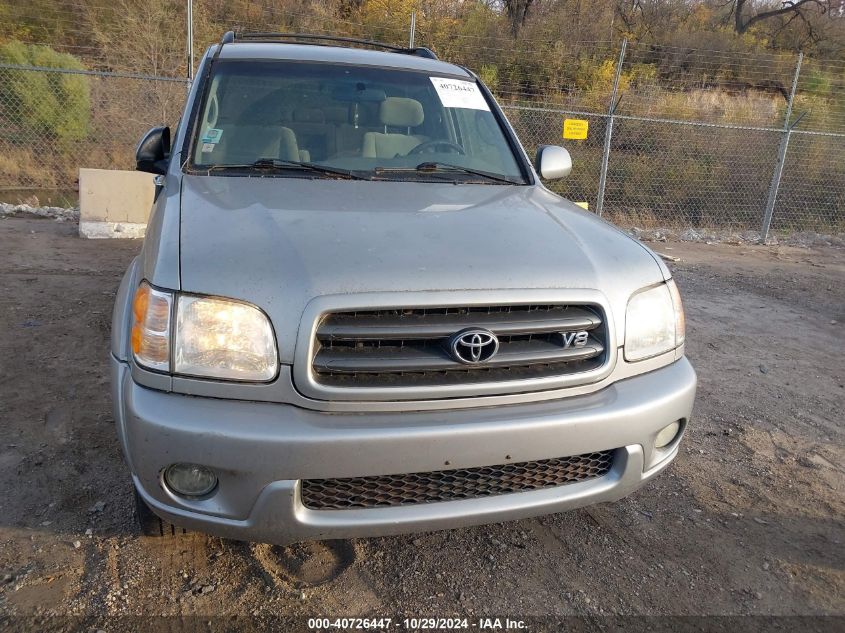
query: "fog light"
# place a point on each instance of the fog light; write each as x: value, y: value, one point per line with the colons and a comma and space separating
x: 667, y: 435
x: 190, y: 480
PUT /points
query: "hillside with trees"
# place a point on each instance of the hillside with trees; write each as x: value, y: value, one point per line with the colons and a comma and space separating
x: 728, y: 63
x: 149, y: 36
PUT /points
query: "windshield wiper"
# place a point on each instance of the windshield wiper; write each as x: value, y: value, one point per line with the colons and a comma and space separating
x: 277, y: 164
x: 436, y: 166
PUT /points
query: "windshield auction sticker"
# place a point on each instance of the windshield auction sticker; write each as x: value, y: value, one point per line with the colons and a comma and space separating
x: 455, y: 93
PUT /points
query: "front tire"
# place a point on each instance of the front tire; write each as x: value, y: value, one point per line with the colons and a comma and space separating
x: 151, y: 524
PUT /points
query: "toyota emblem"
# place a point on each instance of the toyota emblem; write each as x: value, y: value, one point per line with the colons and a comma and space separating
x: 473, y: 346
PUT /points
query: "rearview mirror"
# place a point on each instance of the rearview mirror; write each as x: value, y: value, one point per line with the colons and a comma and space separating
x: 153, y: 152
x: 357, y: 93
x: 553, y: 162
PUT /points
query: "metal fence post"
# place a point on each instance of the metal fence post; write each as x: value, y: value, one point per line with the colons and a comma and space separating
x: 784, y: 144
x: 608, y: 131
x: 190, y: 42
x: 413, y: 29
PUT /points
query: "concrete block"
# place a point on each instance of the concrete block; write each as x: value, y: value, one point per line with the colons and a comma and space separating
x: 114, y: 203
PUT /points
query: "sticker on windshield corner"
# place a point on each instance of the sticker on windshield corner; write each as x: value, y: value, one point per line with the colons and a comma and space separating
x: 455, y: 93
x: 207, y: 147
x: 212, y: 135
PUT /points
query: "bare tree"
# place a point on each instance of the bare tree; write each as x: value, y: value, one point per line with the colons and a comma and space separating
x: 517, y: 12
x: 744, y: 19
x: 650, y: 19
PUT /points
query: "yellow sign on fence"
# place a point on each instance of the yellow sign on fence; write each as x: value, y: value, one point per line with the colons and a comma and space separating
x: 575, y: 129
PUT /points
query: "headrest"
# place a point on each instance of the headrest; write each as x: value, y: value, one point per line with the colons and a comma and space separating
x: 303, y: 115
x: 336, y: 114
x: 367, y: 112
x: 401, y: 112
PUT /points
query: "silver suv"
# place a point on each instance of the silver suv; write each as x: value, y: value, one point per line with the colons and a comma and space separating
x: 357, y: 310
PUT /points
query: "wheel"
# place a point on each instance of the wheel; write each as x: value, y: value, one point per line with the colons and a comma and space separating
x: 151, y: 524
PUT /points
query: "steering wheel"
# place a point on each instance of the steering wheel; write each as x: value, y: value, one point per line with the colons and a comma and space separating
x: 427, y: 145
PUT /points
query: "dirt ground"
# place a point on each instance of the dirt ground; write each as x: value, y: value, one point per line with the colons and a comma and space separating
x: 749, y: 519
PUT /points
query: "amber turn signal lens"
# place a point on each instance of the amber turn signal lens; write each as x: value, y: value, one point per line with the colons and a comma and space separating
x: 141, y: 301
x: 151, y: 327
x: 680, y: 317
x: 136, y: 338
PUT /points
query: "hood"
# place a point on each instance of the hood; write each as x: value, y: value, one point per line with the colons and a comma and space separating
x: 280, y: 242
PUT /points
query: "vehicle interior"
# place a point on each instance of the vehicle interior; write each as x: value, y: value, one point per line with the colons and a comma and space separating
x: 356, y: 118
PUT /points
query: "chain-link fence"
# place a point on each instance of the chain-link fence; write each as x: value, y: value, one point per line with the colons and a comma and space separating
x: 701, y: 139
x: 682, y: 174
x: 54, y: 121
x: 677, y: 138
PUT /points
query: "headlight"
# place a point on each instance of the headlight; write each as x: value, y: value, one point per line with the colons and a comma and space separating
x: 211, y: 337
x: 654, y: 322
x: 219, y: 338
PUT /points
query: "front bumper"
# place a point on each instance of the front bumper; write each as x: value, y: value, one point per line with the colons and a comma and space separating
x: 261, y: 451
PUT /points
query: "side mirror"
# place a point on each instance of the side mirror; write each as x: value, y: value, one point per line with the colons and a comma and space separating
x: 153, y: 152
x: 553, y: 162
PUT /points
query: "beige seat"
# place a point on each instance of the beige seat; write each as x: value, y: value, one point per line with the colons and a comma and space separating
x: 394, y: 112
x: 336, y: 117
x: 248, y: 143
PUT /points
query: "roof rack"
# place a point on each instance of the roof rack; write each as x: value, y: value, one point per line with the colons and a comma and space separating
x: 230, y: 37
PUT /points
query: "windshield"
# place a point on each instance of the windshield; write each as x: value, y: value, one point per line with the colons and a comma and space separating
x: 320, y: 120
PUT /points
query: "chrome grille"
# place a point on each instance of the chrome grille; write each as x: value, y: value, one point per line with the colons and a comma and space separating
x: 410, y: 347
x: 452, y: 485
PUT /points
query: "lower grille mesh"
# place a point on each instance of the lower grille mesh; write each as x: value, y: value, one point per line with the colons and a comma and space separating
x: 451, y: 485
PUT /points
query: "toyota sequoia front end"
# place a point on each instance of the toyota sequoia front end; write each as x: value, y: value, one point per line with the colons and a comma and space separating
x: 358, y: 312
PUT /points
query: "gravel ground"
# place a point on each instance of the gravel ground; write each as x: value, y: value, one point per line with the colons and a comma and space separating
x: 749, y: 519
